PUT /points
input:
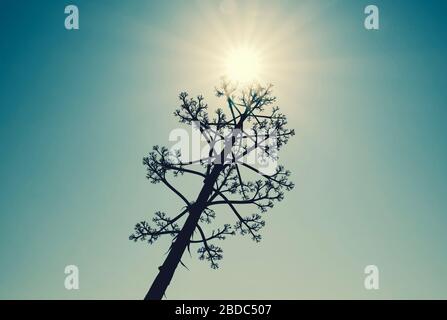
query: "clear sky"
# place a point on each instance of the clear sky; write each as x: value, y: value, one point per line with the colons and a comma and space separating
x: 79, y: 109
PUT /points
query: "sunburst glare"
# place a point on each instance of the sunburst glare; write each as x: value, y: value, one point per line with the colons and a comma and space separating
x: 243, y: 41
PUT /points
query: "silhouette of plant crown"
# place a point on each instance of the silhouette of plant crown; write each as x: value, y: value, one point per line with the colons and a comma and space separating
x: 251, y: 119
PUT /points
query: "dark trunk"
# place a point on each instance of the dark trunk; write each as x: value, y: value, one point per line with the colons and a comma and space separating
x: 167, y: 270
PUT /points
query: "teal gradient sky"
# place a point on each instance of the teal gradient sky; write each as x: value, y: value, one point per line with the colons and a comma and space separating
x: 79, y: 110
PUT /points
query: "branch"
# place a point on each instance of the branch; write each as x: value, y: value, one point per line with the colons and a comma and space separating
x: 209, y: 252
x: 242, y: 221
x: 143, y: 230
x: 218, y: 234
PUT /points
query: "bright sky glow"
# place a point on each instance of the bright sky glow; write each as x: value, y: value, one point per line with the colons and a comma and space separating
x: 243, y: 65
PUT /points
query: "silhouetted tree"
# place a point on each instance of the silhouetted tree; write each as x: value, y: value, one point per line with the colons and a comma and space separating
x: 249, y: 125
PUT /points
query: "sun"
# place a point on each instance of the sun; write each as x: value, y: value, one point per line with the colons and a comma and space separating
x: 243, y: 65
